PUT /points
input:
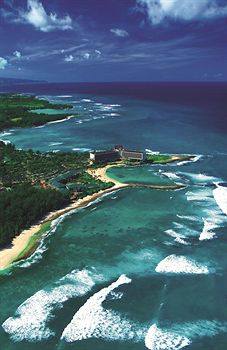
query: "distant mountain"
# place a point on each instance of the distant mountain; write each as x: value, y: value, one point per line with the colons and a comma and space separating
x: 12, y: 81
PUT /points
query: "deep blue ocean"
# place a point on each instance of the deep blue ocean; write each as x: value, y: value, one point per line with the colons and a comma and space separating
x: 139, y: 268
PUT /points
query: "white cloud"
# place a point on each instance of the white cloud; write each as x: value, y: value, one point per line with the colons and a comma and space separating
x: 17, y: 54
x: 38, y: 17
x: 69, y: 58
x: 185, y: 10
x: 3, y: 63
x: 119, y: 32
x: 86, y: 56
x: 81, y: 56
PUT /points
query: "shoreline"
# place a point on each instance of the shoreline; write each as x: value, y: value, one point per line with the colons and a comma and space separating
x: 20, y: 245
x: 25, y: 244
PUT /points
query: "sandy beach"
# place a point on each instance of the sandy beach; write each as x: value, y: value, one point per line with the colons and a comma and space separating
x: 19, y: 243
x: 62, y: 120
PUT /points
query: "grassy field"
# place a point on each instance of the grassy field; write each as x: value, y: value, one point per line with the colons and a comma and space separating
x: 166, y: 158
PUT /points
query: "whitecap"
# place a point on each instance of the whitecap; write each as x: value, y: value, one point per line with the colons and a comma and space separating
x: 55, y: 143
x: 193, y: 160
x: 5, y: 133
x: 93, y: 321
x: 187, y: 231
x: 64, y: 96
x: 86, y: 100
x: 31, y: 317
x: 171, y: 176
x: 207, y: 232
x: 149, y: 151
x: 220, y: 196
x: 40, y: 126
x: 82, y: 149
x: 178, y: 237
x: 180, y: 335
x: 34, y: 258
x: 181, y: 264
x: 114, y: 114
x: 159, y: 339
x: 188, y: 217
x: 200, y: 177
x: 6, y: 142
x: 200, y: 195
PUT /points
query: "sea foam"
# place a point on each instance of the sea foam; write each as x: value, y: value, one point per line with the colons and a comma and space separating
x: 207, y: 232
x: 180, y: 335
x: 220, y: 196
x: 178, y: 238
x: 195, y: 159
x: 158, y: 339
x: 31, y: 317
x: 180, y: 264
x: 93, y: 321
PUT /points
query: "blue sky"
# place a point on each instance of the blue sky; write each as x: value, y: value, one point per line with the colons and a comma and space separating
x: 114, y: 40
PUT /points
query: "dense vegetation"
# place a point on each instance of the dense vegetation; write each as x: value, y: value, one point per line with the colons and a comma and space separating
x: 17, y: 166
x: 16, y: 111
x: 22, y: 205
x: 165, y: 158
x: 34, y: 183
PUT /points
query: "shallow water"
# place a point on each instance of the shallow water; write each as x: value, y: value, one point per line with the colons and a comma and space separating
x: 138, y: 268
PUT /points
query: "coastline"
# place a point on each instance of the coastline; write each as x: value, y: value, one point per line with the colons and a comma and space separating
x: 25, y: 244
x: 22, y: 246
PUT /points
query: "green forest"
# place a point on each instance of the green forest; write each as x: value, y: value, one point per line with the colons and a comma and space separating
x: 34, y: 183
x: 16, y: 111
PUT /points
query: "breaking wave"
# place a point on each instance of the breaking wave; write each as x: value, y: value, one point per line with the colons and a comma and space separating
x: 158, y: 339
x: 31, y: 317
x: 180, y: 335
x: 64, y: 96
x: 207, y: 232
x: 220, y: 196
x: 196, y: 159
x: 181, y: 265
x: 178, y: 238
x: 92, y: 320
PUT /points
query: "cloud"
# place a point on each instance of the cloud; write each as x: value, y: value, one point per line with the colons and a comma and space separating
x: 69, y: 58
x: 184, y: 10
x: 119, y: 32
x: 86, y: 56
x: 82, y: 56
x: 17, y: 54
x: 3, y: 63
x: 38, y: 17
x: 98, y: 52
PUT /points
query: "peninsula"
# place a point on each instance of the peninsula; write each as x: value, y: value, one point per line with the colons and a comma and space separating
x: 36, y: 188
x: 20, y: 111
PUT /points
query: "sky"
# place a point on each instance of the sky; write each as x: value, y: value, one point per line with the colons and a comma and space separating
x: 114, y: 40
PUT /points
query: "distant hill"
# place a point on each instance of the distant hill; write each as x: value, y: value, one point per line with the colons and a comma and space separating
x: 12, y: 81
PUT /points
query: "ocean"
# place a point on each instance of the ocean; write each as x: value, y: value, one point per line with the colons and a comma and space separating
x: 138, y: 268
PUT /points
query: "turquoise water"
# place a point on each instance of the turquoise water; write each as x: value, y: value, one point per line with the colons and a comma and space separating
x: 140, y: 175
x: 138, y: 268
x: 52, y: 111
